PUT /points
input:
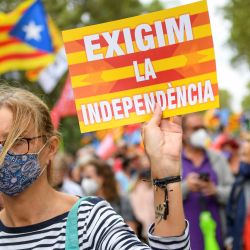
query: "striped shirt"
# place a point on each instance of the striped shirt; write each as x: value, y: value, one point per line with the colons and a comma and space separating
x: 99, y: 227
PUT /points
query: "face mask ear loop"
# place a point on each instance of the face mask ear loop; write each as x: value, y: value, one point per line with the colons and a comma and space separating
x: 38, y: 156
x: 42, y: 147
x: 43, y: 169
x: 38, y: 153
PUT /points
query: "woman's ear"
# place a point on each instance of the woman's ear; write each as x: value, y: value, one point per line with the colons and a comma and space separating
x: 53, y: 146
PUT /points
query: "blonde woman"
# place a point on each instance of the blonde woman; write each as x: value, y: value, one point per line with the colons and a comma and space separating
x: 35, y: 215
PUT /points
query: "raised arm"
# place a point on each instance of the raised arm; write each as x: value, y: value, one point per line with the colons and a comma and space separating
x: 163, y: 142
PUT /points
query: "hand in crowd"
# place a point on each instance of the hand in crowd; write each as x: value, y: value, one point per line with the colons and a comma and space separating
x: 195, y: 184
x: 163, y: 143
x: 208, y: 188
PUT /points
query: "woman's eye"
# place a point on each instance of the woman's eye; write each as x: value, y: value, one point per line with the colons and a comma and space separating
x: 19, y: 142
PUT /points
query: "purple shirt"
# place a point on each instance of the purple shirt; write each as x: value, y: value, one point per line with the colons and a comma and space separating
x: 195, y: 203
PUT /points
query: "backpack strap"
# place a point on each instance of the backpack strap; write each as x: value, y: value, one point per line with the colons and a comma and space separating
x: 72, y: 242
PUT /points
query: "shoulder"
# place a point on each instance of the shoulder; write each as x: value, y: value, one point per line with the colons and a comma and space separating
x: 93, y: 206
x: 96, y: 215
x: 89, y: 202
x: 217, y: 159
x: 215, y: 154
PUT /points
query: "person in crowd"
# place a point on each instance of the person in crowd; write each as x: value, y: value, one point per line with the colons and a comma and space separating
x: 98, y: 179
x: 61, y: 180
x: 83, y: 155
x: 35, y: 215
x: 239, y: 201
x: 229, y: 147
x: 81, y: 160
x: 206, y: 180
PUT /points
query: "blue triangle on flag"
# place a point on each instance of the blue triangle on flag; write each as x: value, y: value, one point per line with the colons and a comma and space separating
x: 33, y: 29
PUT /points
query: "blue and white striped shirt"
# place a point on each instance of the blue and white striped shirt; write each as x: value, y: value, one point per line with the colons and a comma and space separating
x: 99, y: 227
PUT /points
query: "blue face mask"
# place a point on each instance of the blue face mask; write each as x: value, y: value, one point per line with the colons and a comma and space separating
x: 18, y: 172
x: 245, y: 169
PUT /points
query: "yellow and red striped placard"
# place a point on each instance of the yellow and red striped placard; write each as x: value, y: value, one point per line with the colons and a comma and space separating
x: 120, y: 69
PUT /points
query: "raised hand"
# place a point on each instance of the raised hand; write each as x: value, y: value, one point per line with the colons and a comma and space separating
x: 163, y: 142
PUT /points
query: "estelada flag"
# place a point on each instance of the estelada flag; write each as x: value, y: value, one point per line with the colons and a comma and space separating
x: 25, y: 38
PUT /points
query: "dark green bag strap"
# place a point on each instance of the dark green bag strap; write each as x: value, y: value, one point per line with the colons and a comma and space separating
x: 72, y: 242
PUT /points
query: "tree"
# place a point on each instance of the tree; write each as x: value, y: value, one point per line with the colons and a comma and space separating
x: 245, y: 104
x: 154, y: 6
x: 237, y: 11
x: 225, y: 99
x: 69, y: 14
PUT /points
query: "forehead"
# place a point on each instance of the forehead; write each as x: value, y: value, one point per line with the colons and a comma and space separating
x: 89, y: 169
x: 6, y: 118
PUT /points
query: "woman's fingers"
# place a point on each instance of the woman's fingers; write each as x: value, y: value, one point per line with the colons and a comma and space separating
x: 165, y: 124
x: 157, y: 115
x: 171, y: 124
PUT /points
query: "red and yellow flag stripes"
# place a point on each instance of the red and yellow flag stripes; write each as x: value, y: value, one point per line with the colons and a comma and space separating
x: 15, y: 54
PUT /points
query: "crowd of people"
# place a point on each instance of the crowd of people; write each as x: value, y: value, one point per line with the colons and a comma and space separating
x: 215, y: 179
x: 215, y: 182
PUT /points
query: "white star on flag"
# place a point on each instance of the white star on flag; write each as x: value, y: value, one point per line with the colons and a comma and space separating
x: 33, y: 31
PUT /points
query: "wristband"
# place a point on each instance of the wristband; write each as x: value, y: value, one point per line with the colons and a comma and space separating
x: 162, y: 184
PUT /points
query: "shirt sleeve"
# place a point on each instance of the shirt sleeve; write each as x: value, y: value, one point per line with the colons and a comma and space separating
x: 172, y: 243
x: 106, y: 230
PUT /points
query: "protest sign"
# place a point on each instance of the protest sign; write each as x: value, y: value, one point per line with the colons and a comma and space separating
x: 120, y: 69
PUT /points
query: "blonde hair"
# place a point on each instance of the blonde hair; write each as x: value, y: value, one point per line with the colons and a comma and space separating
x: 27, y: 109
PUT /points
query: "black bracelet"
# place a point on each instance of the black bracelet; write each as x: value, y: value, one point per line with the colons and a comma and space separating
x: 162, y: 184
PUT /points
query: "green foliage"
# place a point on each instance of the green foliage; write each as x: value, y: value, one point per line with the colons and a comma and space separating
x: 225, y: 99
x: 70, y: 14
x: 154, y: 6
x: 70, y: 134
x: 237, y: 11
